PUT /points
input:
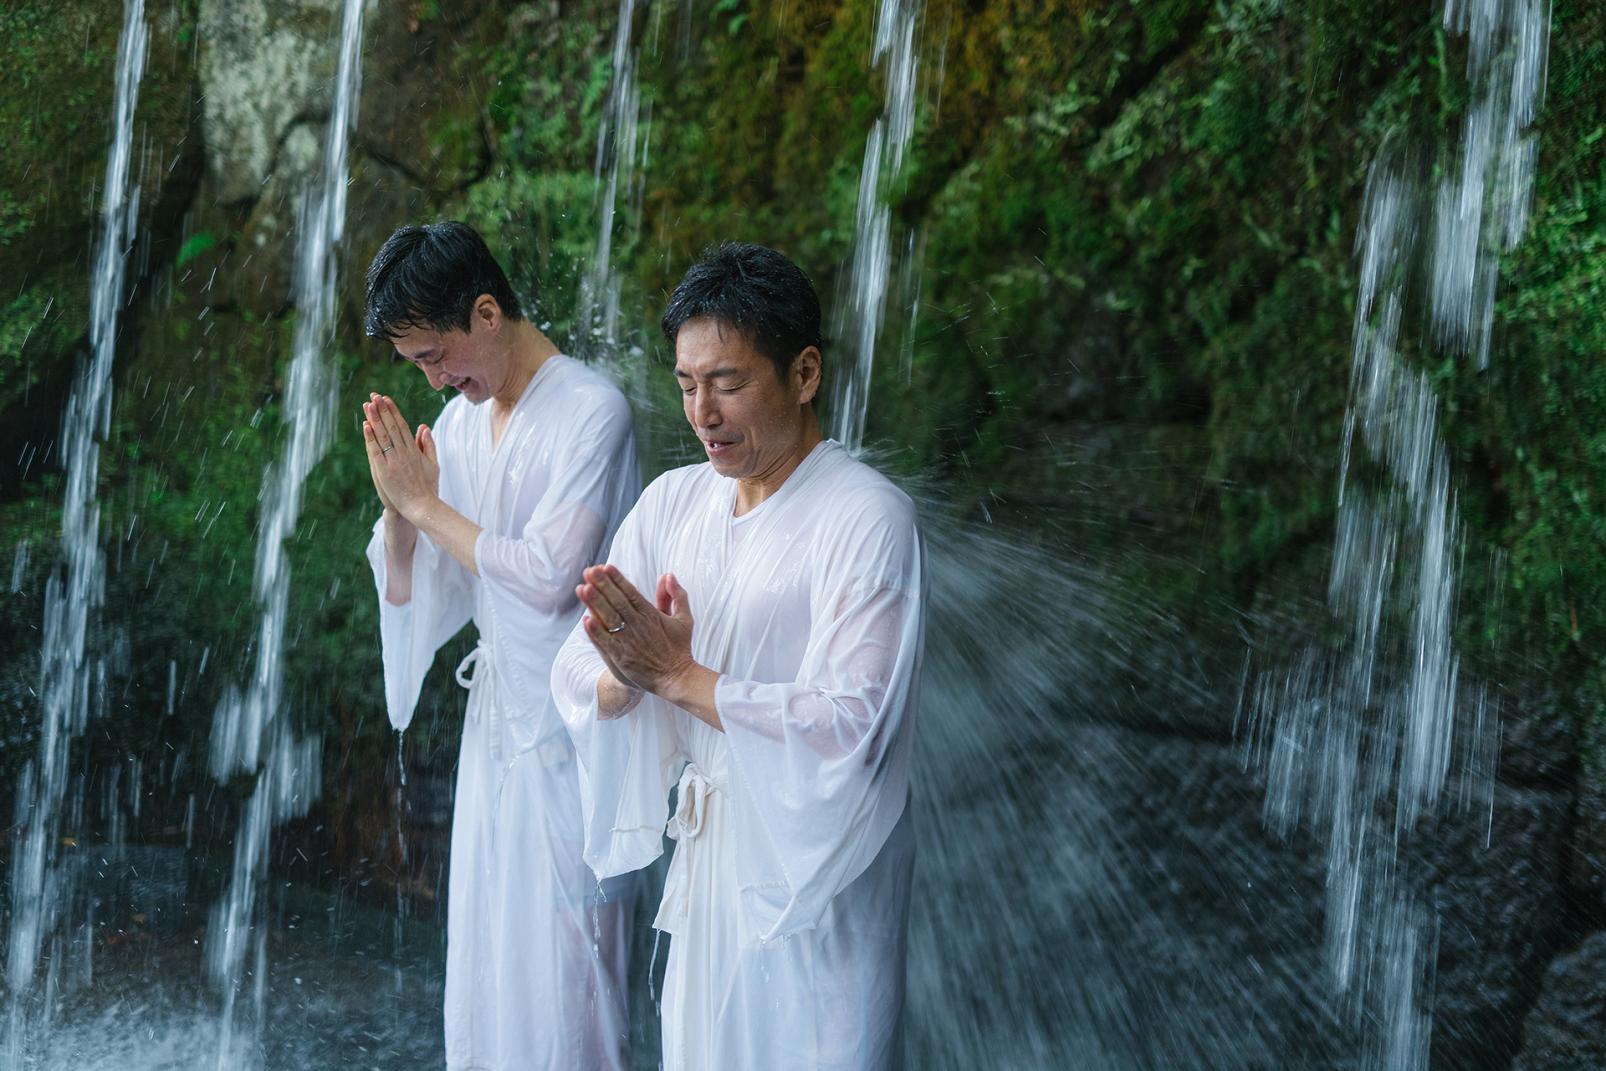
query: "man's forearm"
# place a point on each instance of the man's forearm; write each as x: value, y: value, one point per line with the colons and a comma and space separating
x: 614, y: 697
x: 449, y: 529
x: 401, y: 540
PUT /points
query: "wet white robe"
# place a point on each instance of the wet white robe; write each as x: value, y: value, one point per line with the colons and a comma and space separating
x: 535, y: 966
x: 787, y: 895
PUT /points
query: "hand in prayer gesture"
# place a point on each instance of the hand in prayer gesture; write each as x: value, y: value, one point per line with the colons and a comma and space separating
x: 646, y: 647
x: 402, y: 462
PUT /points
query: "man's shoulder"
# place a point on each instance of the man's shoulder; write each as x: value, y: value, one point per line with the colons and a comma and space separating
x: 861, y: 493
x: 583, y: 409
x: 587, y: 390
x: 453, y: 415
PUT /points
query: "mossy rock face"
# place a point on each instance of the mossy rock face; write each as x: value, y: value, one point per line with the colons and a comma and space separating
x: 54, y: 135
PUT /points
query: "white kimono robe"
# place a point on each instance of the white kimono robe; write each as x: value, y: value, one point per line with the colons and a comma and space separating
x: 788, y: 892
x: 535, y: 966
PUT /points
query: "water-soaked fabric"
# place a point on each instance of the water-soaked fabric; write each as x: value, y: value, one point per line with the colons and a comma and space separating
x: 535, y: 953
x: 787, y: 895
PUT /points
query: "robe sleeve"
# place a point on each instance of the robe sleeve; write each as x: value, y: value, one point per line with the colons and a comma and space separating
x: 626, y: 764
x: 409, y: 635
x: 824, y: 759
x: 596, y: 477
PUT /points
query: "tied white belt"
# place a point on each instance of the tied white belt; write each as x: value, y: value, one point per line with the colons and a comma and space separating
x: 477, y: 673
x: 691, y: 811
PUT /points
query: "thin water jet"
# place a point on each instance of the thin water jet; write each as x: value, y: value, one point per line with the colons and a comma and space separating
x: 41, y: 874
x: 862, y: 311
x: 1361, y: 741
x: 250, y: 734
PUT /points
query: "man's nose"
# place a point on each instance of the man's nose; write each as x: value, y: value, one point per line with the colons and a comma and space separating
x: 706, y: 409
x: 436, y: 376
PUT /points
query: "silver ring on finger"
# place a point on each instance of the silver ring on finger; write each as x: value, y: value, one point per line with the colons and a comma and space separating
x: 620, y: 627
x: 387, y: 449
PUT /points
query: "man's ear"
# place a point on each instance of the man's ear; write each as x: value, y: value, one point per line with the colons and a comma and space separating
x: 487, y: 313
x: 805, y: 374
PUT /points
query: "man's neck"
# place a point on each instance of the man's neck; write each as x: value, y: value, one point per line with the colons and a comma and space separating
x: 528, y: 350
x: 753, y: 491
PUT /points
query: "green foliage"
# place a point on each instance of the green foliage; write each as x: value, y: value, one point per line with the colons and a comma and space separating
x: 32, y: 332
x: 537, y: 207
x: 1541, y: 420
x: 194, y: 246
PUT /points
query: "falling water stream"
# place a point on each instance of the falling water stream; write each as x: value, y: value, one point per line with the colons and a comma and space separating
x: 617, y: 144
x: 1349, y: 742
x: 862, y: 313
x: 250, y: 734
x: 41, y: 874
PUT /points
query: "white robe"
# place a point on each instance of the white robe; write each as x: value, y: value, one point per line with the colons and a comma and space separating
x: 535, y: 965
x: 787, y: 896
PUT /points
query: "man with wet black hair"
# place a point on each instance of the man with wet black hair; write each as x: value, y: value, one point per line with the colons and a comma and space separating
x: 490, y: 516
x: 755, y: 289
x: 772, y: 674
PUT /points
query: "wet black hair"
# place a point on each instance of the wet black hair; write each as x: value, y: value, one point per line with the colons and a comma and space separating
x: 430, y: 275
x: 757, y: 291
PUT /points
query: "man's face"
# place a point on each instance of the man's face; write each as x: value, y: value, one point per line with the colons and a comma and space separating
x: 466, y: 360
x: 749, y: 419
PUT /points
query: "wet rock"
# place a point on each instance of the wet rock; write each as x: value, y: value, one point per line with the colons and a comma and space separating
x: 265, y: 66
x: 1496, y: 880
x: 1589, y: 837
x: 383, y: 198
x: 1538, y: 738
x: 264, y: 273
x: 423, y: 91
x: 1566, y: 1030
x: 136, y: 886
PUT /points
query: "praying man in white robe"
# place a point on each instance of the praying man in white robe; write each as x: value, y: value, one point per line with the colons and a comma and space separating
x: 754, y: 641
x: 491, y: 516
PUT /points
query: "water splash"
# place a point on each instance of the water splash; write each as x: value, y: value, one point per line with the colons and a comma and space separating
x: 1361, y: 741
x: 40, y: 877
x: 249, y: 733
x: 863, y: 312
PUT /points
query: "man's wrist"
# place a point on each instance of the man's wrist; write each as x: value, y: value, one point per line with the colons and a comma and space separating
x: 678, y: 685
x: 399, y: 531
x: 417, y: 511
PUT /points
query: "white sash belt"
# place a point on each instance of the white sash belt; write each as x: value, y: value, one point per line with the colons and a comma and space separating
x: 686, y: 827
x: 477, y: 673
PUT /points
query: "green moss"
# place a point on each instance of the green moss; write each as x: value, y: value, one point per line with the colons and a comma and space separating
x: 33, y: 331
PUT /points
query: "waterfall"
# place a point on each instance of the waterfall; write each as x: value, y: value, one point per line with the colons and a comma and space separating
x: 597, y: 320
x: 249, y: 732
x: 1364, y: 755
x: 41, y: 879
x: 864, y: 310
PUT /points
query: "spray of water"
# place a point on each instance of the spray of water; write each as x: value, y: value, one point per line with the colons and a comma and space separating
x: 40, y: 877
x: 1361, y: 741
x: 249, y: 732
